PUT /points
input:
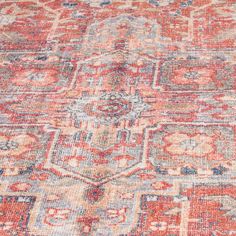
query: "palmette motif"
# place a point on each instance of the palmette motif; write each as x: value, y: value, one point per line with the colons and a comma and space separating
x: 117, y: 118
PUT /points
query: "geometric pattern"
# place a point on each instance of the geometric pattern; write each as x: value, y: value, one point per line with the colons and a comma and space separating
x: 117, y: 117
x: 41, y: 73
x: 15, y: 212
x: 192, y: 149
x: 196, y: 74
x: 165, y: 215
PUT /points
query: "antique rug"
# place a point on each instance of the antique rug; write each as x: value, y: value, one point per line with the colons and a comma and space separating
x: 118, y: 118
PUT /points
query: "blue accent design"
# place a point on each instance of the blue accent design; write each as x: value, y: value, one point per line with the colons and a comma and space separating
x: 188, y: 171
x: 160, y: 171
x: 219, y: 170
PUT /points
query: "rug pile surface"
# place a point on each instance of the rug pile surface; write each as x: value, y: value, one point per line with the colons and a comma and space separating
x: 117, y: 118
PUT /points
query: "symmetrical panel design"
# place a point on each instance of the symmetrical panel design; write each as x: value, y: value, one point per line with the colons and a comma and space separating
x: 117, y: 117
x: 191, y: 149
x: 193, y: 74
x: 38, y: 73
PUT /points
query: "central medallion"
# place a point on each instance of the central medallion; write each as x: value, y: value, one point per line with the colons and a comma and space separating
x: 108, y: 108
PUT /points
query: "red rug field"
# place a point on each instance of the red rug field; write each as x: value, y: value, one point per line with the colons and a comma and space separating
x: 118, y: 118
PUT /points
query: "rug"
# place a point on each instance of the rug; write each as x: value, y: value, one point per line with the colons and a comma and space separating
x: 117, y: 118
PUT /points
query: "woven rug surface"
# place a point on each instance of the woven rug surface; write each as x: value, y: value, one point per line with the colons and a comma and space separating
x: 118, y: 118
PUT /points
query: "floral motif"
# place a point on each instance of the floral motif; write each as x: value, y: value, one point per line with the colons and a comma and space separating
x: 199, y: 76
x: 35, y: 77
x: 108, y: 108
x: 117, y: 117
x: 155, y: 226
x: 196, y: 74
x: 94, y: 194
x: 198, y: 145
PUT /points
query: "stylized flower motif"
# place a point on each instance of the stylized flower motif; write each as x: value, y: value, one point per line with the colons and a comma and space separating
x: 185, y: 144
x: 15, y: 145
x: 35, y: 77
x: 193, y: 75
x: 94, y: 194
x: 108, y: 108
x: 160, y: 226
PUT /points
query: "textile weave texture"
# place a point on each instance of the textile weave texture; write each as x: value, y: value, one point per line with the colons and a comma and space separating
x: 118, y: 118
